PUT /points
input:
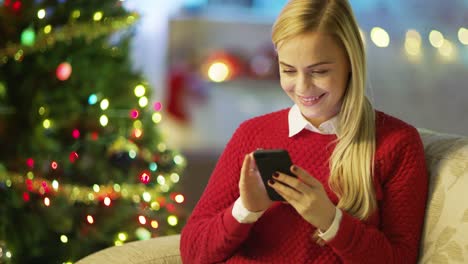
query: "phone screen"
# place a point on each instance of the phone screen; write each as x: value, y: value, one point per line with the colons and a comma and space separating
x: 268, y: 162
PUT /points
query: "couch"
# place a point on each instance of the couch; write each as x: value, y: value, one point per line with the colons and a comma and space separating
x: 445, y: 233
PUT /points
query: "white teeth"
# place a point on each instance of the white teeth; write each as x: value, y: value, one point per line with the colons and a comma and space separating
x: 311, y: 99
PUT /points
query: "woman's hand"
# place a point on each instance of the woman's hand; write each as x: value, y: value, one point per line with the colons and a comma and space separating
x: 252, y: 191
x: 307, y: 195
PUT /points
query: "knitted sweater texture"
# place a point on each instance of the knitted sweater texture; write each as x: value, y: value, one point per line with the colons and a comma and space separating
x: 281, y: 235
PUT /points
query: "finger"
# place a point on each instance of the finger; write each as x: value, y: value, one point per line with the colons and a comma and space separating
x: 288, y: 193
x: 252, y: 164
x: 293, y: 182
x: 245, y: 165
x: 305, y: 176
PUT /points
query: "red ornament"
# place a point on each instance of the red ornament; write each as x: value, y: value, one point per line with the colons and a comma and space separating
x: 26, y: 197
x: 29, y: 184
x: 170, y: 208
x: 94, y: 136
x: 16, y: 6
x: 63, y: 71
x: 73, y: 157
x: 30, y: 163
x: 145, y: 177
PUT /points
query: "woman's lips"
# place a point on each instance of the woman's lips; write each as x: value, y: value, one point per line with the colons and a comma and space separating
x: 311, y: 100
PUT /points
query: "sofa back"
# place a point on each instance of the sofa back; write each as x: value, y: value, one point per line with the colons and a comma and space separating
x: 445, y: 233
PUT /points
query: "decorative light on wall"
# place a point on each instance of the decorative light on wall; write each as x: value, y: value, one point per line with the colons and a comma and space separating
x: 380, y: 37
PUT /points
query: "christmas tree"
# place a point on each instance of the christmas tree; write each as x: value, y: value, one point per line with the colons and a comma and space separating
x: 82, y: 165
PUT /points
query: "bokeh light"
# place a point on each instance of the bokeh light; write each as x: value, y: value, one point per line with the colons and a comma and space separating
x: 103, y: 120
x: 63, y: 71
x: 413, y: 43
x: 104, y: 104
x: 143, y: 101
x: 41, y: 13
x: 97, y: 16
x: 218, y: 72
x: 139, y: 90
x: 380, y: 37
x: 172, y: 220
x: 463, y: 35
x: 92, y: 99
x: 436, y: 38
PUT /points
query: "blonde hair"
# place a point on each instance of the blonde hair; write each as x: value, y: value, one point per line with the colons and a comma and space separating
x: 352, y: 161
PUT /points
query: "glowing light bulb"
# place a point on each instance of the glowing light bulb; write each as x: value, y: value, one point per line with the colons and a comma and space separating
x: 413, y: 43
x: 103, y: 120
x: 143, y: 101
x: 97, y: 16
x: 47, y: 29
x: 172, y: 220
x: 96, y: 188
x: 161, y: 180
x: 436, y: 38
x: 90, y: 219
x: 55, y: 185
x: 54, y: 165
x: 154, y: 224
x: 92, y: 99
x: 139, y: 90
x: 447, y: 49
x: 146, y: 196
x: 179, y: 198
x: 64, y: 239
x: 175, y: 177
x: 122, y: 236
x: 104, y: 104
x: 153, y: 166
x: 107, y: 201
x: 218, y: 72
x: 47, y: 201
x: 76, y: 14
x: 156, y: 117
x: 178, y: 159
x: 380, y: 37
x: 41, y: 13
x: 46, y: 124
x: 142, y: 219
x: 463, y: 35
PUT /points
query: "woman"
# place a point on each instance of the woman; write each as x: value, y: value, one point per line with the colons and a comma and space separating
x: 361, y: 186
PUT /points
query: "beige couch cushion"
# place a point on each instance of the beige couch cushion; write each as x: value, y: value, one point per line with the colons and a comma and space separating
x: 162, y: 250
x: 445, y: 235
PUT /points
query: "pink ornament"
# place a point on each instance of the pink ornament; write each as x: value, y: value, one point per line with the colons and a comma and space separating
x: 76, y: 133
x: 134, y: 113
x: 157, y: 106
x: 54, y: 165
x: 63, y: 71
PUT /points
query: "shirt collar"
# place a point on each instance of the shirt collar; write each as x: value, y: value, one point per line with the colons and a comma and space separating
x: 297, y: 123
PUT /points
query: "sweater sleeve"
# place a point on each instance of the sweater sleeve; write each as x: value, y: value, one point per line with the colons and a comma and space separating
x: 402, y: 210
x: 212, y: 234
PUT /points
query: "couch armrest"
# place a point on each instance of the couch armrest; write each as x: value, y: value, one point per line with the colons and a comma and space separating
x: 164, y: 250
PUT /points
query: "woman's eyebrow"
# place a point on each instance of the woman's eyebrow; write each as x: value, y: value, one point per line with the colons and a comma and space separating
x: 310, y: 66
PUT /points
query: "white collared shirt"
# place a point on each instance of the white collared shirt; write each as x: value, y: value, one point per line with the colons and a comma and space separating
x: 297, y: 123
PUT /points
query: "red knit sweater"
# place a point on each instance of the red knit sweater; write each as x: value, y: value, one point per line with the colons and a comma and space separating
x: 281, y: 235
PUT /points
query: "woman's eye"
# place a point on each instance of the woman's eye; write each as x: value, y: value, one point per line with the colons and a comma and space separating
x: 289, y: 71
x: 320, y: 72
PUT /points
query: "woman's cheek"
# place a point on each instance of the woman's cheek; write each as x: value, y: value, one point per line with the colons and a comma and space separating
x: 288, y: 86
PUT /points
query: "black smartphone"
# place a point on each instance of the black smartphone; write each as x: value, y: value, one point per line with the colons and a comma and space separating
x: 268, y: 162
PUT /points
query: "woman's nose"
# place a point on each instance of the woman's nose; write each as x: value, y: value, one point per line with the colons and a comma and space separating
x: 302, y: 84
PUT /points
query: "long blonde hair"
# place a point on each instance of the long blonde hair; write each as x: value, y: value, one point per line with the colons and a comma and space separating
x: 352, y: 161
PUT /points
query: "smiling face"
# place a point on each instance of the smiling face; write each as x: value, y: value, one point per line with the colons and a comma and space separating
x: 314, y: 73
